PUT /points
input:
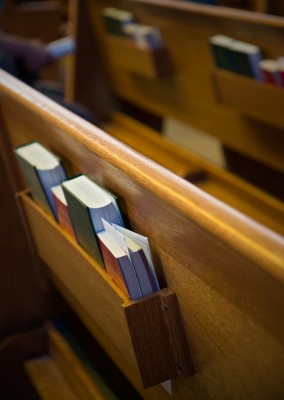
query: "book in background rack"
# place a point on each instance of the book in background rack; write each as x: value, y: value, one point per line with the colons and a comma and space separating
x: 236, y: 56
x: 123, y: 23
x: 88, y: 202
x: 42, y: 170
x: 61, y: 47
x: 273, y: 71
x: 128, y: 260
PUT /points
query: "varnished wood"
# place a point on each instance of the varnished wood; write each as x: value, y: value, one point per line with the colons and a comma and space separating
x: 213, y: 180
x: 34, y: 20
x: 15, y: 349
x: 114, y: 352
x: 263, y: 102
x: 48, y: 379
x: 123, y: 54
x: 19, y: 268
x: 226, y: 270
x: 72, y: 368
x: 220, y: 12
x: 162, y: 354
x: 39, y: 20
x: 150, y: 144
x: 158, y: 338
x: 188, y: 94
x: 79, y: 87
x: 276, y: 7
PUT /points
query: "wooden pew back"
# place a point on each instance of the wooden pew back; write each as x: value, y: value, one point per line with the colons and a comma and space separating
x: 227, y: 271
x: 194, y: 91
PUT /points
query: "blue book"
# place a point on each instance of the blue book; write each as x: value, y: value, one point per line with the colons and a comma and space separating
x: 137, y: 248
x: 119, y: 266
x: 42, y: 170
x: 221, y: 50
x: 246, y: 59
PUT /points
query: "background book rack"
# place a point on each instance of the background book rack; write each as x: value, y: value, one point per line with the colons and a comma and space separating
x: 153, y: 324
x: 185, y: 28
x: 261, y: 101
x: 148, y: 63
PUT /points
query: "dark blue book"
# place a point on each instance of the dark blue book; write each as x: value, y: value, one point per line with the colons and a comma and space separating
x: 119, y: 266
x: 221, y: 50
x: 137, y: 249
x: 246, y: 58
x: 42, y: 170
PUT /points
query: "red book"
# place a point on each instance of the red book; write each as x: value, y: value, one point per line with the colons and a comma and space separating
x: 281, y: 69
x: 112, y: 267
x: 118, y: 266
x: 62, y: 212
x: 270, y: 72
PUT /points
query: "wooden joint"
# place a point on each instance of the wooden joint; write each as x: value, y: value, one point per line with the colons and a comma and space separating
x: 158, y: 338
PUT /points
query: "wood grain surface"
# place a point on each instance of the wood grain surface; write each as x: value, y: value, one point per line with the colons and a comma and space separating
x: 226, y: 270
x: 188, y: 94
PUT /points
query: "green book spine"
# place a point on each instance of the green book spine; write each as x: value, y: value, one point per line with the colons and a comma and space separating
x: 83, y: 226
x: 222, y: 56
x: 242, y: 64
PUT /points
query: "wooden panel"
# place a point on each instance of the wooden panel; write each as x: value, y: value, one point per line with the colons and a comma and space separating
x: 40, y: 20
x: 83, y: 277
x: 188, y: 94
x: 124, y: 55
x: 22, y: 280
x: 48, y: 379
x: 154, y: 393
x: 276, y: 7
x: 97, y: 288
x: 158, y: 338
x: 14, y: 351
x: 226, y: 270
x: 264, y: 102
x: 213, y: 180
x: 75, y: 372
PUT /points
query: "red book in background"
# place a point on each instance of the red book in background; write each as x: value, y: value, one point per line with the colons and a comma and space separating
x: 63, y: 216
x: 119, y: 266
x: 281, y: 69
x: 270, y: 72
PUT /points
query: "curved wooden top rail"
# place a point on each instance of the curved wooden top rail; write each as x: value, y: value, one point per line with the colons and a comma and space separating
x: 253, y: 241
x: 217, y: 12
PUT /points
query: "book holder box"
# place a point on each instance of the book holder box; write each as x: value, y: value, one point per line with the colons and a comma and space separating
x: 147, y: 63
x: 149, y: 332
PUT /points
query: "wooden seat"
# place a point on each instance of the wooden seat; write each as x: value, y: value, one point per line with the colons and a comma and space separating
x: 213, y: 180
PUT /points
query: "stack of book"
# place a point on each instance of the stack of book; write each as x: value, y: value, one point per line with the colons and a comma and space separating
x: 91, y: 215
x: 144, y: 36
x: 115, y: 20
x: 122, y: 23
x: 128, y: 260
x: 237, y: 56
